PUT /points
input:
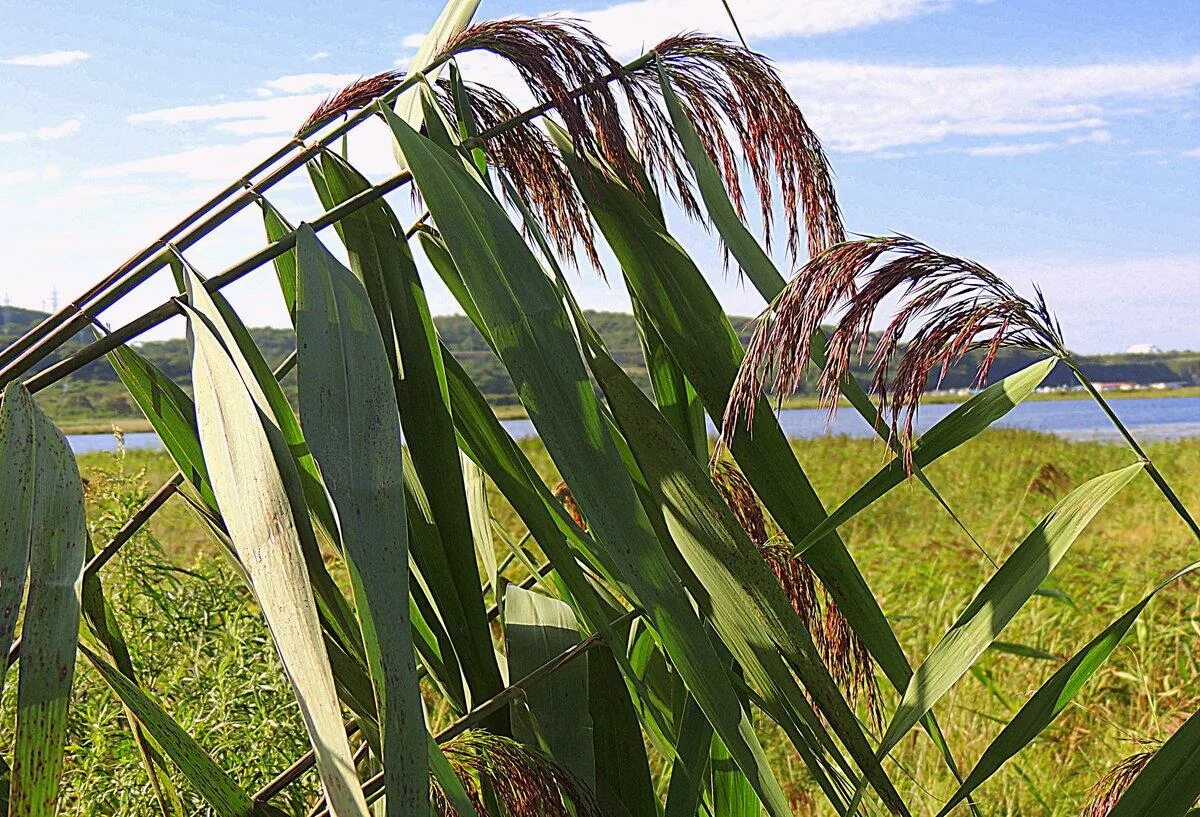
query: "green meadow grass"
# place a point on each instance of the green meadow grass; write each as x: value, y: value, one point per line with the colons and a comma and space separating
x: 201, y: 647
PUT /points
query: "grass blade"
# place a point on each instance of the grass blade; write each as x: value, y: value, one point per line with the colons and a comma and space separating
x: 1053, y: 697
x: 349, y: 406
x: 1001, y: 598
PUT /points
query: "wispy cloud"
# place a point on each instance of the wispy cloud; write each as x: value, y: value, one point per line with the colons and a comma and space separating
x: 58, y: 131
x: 867, y: 107
x: 305, y: 83
x: 49, y: 59
x: 51, y: 173
x: 254, y: 116
x: 1194, y: 153
x: 1096, y: 137
x: 44, y: 133
x: 635, y: 25
x: 317, y: 57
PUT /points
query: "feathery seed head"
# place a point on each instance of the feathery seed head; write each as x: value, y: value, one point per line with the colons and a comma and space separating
x: 525, y: 782
x: 948, y: 308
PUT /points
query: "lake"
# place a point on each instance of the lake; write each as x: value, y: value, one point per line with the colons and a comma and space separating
x: 1149, y: 418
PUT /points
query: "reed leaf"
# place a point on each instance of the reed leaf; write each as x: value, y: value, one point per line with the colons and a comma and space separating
x: 1169, y: 785
x: 380, y: 257
x: 961, y: 425
x: 534, y: 340
x: 349, y: 405
x: 46, y: 521
x: 455, y: 16
x: 536, y: 629
x: 1055, y: 695
x: 256, y: 495
x: 1002, y: 598
x: 744, y: 601
x: 209, y: 780
x: 171, y: 413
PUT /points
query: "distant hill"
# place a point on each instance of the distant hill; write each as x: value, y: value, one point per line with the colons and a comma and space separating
x: 88, y: 394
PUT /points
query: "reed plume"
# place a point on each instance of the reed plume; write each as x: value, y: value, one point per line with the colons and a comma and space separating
x: 734, y: 97
x: 844, y: 653
x: 563, y: 493
x: 525, y: 782
x: 948, y: 308
x: 1105, y: 793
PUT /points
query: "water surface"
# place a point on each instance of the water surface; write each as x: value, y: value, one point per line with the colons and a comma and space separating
x: 1149, y: 418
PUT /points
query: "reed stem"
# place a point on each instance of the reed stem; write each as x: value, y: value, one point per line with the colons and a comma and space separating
x: 1132, y: 442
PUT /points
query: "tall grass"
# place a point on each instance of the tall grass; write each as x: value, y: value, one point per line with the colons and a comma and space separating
x: 671, y: 647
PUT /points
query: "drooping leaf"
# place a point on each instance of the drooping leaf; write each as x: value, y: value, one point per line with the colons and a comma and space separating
x: 255, y: 492
x: 350, y: 418
x: 1001, y: 598
x: 535, y: 343
x: 380, y: 257
x: 46, y: 520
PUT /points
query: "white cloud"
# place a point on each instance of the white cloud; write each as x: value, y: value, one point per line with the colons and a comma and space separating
x: 50, y: 173
x: 58, y: 131
x: 281, y: 114
x: 864, y: 107
x: 49, y: 59
x: 414, y: 40
x: 209, y: 163
x: 1096, y: 137
x: 634, y: 26
x: 317, y: 57
x: 1194, y: 153
x: 44, y: 133
x: 306, y: 83
x: 87, y: 196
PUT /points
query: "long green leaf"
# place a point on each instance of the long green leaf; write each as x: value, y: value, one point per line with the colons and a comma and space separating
x: 47, y: 519
x: 456, y: 15
x: 18, y: 519
x: 251, y: 488
x: 745, y: 602
x: 1169, y: 786
x: 350, y: 419
x: 380, y: 257
x: 538, y: 628
x: 623, y: 783
x: 1053, y: 697
x: 1001, y: 598
x: 170, y: 411
x: 535, y: 343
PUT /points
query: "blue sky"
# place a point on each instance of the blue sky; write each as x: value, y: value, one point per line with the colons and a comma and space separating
x: 1053, y: 141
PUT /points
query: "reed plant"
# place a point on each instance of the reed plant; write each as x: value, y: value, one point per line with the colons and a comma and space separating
x: 677, y: 600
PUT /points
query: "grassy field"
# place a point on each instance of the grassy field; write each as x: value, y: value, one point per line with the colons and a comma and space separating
x: 210, y: 661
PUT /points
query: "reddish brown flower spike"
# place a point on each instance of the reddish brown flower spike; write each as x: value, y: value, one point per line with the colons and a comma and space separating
x: 948, y: 308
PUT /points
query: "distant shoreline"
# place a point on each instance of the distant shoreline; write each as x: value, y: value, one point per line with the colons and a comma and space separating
x: 135, y: 425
